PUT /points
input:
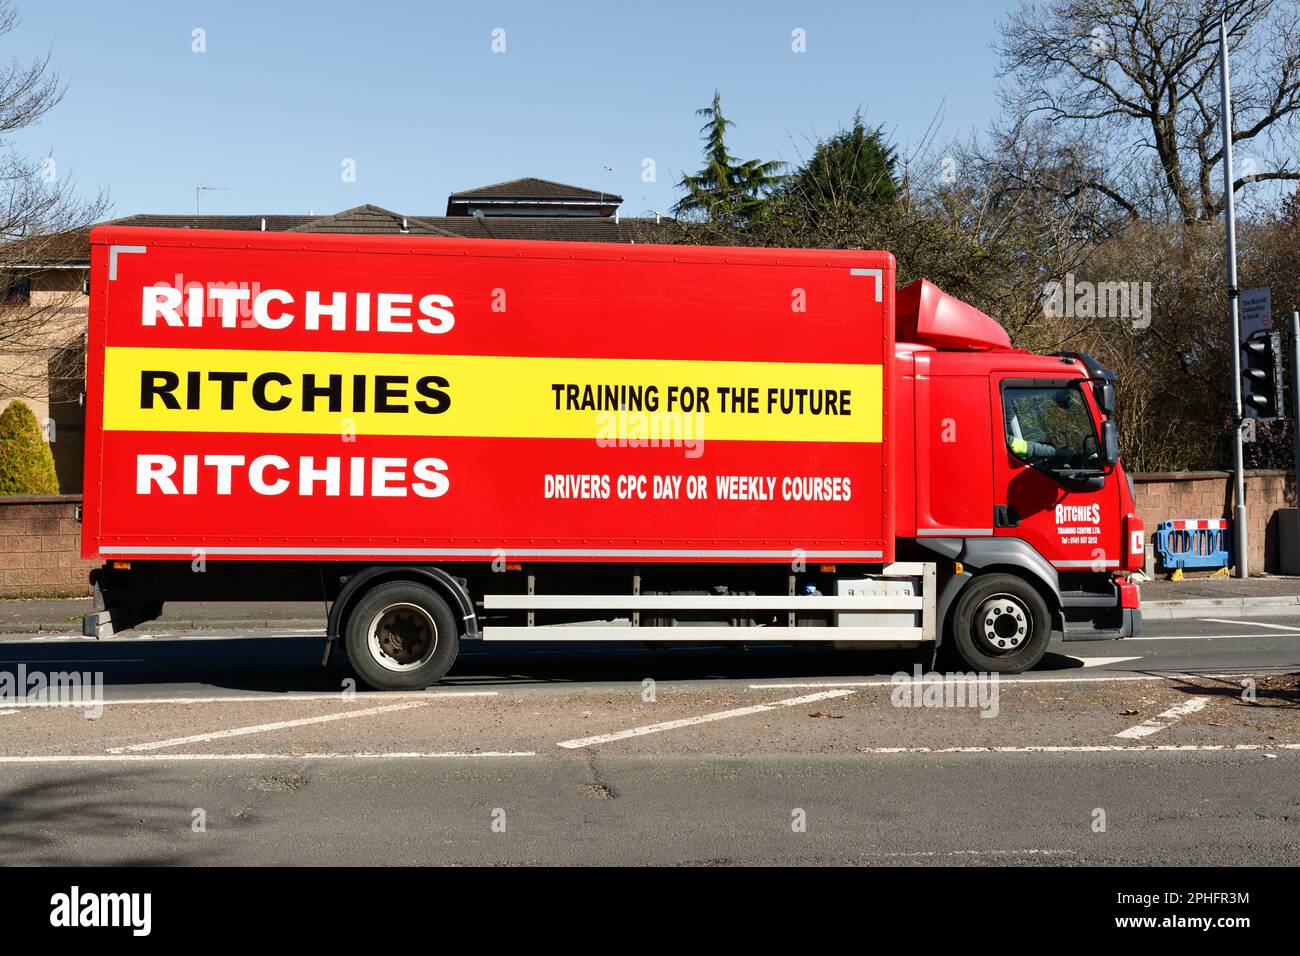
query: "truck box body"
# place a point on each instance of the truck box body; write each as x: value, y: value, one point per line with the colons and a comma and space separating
x: 276, y: 396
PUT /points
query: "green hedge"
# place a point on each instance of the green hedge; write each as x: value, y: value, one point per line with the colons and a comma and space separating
x: 26, y: 464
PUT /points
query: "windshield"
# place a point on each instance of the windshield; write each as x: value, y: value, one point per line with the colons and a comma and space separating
x: 1050, y: 427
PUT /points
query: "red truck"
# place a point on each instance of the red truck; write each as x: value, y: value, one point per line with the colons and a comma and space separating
x: 448, y: 440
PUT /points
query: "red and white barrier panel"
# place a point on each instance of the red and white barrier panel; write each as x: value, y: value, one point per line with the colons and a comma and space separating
x: 1198, y: 524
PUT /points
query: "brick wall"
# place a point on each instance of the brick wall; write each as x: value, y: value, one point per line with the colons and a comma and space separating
x: 40, y: 547
x: 1208, y: 494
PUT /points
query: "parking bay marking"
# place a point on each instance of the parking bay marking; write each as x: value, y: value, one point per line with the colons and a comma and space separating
x: 702, y: 719
x: 1164, y: 719
x: 181, y: 757
x: 273, y: 698
x: 265, y: 728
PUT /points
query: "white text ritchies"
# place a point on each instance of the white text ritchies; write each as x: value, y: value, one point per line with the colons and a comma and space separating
x: 23, y: 688
x: 75, y: 908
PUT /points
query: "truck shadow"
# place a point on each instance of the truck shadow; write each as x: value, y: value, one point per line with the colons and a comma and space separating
x: 293, y: 664
x: 249, y: 664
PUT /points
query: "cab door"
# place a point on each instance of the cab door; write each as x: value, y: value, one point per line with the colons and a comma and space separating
x: 1050, y: 489
x: 953, y: 434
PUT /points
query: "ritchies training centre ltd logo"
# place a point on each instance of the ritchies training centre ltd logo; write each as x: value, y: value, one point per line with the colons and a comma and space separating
x: 1070, y: 514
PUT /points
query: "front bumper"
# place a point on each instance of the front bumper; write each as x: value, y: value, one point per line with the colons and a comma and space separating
x: 1124, y: 619
x: 1122, y: 622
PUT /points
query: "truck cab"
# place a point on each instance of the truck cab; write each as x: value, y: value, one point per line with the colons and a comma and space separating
x: 1016, y: 482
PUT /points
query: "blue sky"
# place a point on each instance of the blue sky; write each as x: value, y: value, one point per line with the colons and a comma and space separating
x: 414, y: 94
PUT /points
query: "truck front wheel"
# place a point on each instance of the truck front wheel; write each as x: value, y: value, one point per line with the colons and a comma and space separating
x: 401, y: 636
x: 1001, y: 624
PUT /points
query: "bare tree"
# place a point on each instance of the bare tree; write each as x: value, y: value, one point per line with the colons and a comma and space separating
x: 1138, y: 80
x: 42, y: 223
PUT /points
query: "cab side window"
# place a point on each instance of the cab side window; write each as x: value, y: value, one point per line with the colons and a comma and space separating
x: 1049, y: 426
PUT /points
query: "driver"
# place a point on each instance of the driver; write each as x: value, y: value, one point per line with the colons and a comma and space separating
x: 1030, y: 449
x: 1034, y: 449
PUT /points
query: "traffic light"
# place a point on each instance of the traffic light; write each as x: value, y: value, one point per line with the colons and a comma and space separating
x: 1261, y: 375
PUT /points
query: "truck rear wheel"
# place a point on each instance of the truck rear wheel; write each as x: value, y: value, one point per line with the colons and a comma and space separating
x: 1001, y: 624
x: 401, y: 636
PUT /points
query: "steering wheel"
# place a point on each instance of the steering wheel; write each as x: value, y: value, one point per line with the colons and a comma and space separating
x: 1091, y: 451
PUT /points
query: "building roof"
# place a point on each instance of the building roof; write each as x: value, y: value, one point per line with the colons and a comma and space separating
x: 565, y: 228
x: 59, y: 249
x: 526, y: 208
x: 371, y: 221
x: 530, y: 187
x: 532, y: 197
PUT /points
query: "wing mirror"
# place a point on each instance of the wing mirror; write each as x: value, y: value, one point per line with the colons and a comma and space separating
x: 1109, y: 443
x: 1104, y: 394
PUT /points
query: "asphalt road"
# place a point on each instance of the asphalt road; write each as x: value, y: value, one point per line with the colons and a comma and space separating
x: 1181, y: 747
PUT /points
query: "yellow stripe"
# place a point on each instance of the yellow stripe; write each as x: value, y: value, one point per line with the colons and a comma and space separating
x: 491, y: 396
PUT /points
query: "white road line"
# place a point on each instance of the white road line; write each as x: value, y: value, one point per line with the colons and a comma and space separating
x: 74, y: 660
x: 363, y: 755
x: 703, y: 719
x: 1203, y: 637
x: 1274, y: 627
x: 6, y: 713
x: 400, y: 755
x: 961, y: 680
x: 276, y: 698
x: 265, y: 728
x: 1079, y: 749
x: 1103, y: 661
x: 922, y: 854
x: 1166, y: 718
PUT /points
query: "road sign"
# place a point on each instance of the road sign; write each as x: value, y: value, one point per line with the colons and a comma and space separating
x: 1256, y: 311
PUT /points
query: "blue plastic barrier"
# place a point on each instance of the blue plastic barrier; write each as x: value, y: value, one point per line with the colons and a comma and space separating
x: 1193, y: 543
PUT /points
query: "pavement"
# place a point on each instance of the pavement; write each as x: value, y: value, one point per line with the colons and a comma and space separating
x: 236, y: 747
x: 1190, y: 598
x: 63, y: 615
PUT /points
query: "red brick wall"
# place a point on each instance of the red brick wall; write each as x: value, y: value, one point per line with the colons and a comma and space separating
x: 40, y: 544
x: 1208, y: 494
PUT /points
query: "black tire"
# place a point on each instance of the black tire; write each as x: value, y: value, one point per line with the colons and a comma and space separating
x: 1000, y: 624
x: 404, y: 617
